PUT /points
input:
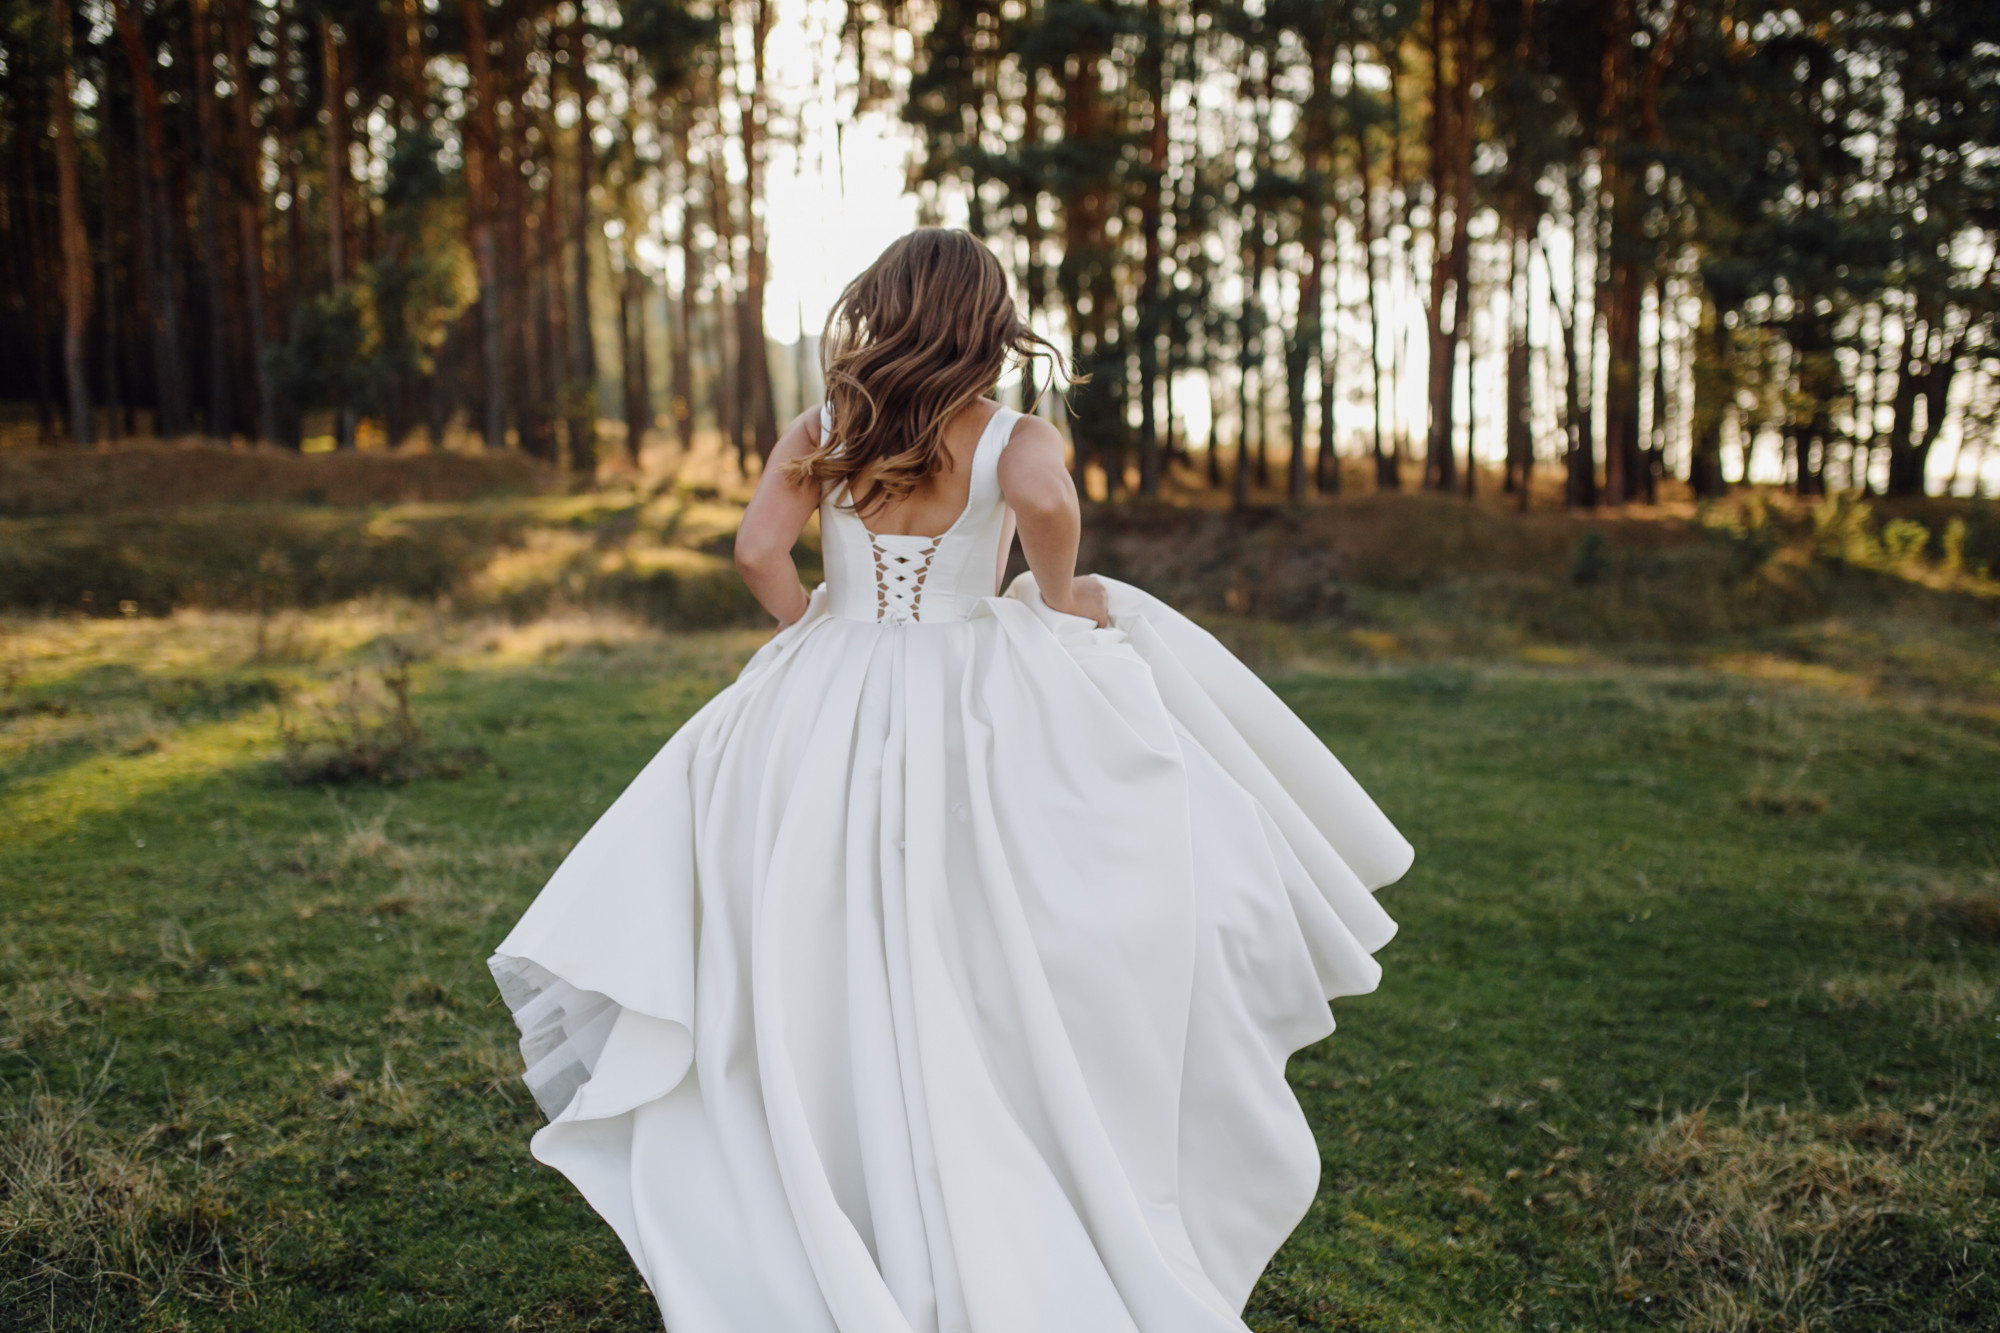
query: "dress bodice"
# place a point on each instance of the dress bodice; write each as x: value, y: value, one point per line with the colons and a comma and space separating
x: 898, y: 578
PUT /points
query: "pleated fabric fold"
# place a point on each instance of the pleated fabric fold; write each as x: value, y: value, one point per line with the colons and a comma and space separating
x: 942, y: 977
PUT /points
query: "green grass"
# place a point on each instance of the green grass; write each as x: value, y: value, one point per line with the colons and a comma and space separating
x: 252, y: 1074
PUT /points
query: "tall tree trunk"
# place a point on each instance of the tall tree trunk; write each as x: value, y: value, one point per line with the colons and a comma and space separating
x: 1152, y: 81
x: 1713, y: 389
x: 1923, y: 376
x: 729, y: 403
x: 334, y: 71
x: 533, y: 428
x: 75, y: 240
x: 1461, y: 220
x: 1579, y: 453
x: 481, y: 147
x: 163, y: 248
x: 291, y: 426
x: 249, y: 190
x: 682, y: 407
x: 1658, y: 423
x: 1250, y: 334
x: 1451, y: 176
x: 557, y: 338
x: 582, y: 340
x: 638, y: 384
x: 220, y: 419
x: 1084, y: 272
x: 1520, y: 428
x: 1439, y: 459
x: 37, y: 289
x: 1302, y: 348
x: 1386, y: 478
x: 118, y: 408
x: 753, y: 350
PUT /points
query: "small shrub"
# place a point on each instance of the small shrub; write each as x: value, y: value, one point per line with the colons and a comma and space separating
x: 367, y: 731
x: 1903, y: 541
x: 1589, y: 559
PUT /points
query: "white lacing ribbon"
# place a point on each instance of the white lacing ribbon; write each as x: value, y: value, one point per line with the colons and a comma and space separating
x: 899, y: 579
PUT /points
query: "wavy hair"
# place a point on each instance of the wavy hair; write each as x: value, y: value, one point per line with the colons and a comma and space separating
x: 923, y: 333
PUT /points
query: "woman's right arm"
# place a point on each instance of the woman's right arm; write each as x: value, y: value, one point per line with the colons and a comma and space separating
x: 1037, y: 485
x: 776, y: 516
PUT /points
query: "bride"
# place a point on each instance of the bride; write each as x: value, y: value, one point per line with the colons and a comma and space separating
x: 940, y: 973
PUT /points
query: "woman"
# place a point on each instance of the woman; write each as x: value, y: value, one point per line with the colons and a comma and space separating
x: 940, y: 973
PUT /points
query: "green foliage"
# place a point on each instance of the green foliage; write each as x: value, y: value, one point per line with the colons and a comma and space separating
x: 334, y: 356
x: 355, y: 345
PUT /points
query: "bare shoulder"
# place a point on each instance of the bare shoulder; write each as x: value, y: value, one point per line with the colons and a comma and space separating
x: 799, y: 438
x: 1034, y: 468
x: 1032, y: 446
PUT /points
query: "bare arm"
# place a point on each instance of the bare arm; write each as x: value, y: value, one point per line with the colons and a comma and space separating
x: 771, y: 525
x: 1039, y: 491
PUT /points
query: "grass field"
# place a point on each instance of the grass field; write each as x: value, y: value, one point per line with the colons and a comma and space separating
x: 1692, y: 1022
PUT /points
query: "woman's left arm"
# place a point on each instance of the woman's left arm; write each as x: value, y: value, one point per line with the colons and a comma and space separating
x: 773, y: 522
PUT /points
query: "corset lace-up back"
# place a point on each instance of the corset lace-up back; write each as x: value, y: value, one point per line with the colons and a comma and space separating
x: 902, y: 563
x: 906, y: 578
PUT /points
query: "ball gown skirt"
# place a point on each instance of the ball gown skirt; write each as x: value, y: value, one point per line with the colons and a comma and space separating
x: 939, y: 974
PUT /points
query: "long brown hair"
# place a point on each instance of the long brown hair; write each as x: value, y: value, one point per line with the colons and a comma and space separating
x: 922, y: 334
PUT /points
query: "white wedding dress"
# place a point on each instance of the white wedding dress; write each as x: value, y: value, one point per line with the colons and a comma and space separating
x: 940, y: 973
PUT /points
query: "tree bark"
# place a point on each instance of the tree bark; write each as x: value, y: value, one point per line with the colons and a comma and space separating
x: 221, y: 420
x: 1579, y: 453
x: 1520, y: 430
x: 482, y: 133
x: 39, y: 333
x: 638, y: 385
x: 118, y: 408
x: 728, y: 382
x: 1440, y: 460
x: 753, y: 351
x: 1386, y: 478
x: 334, y: 72
x: 533, y: 427
x: 557, y: 338
x: 1712, y: 392
x: 1304, y: 346
x: 249, y: 190
x: 1083, y: 273
x: 292, y: 276
x: 75, y: 240
x: 1152, y: 81
x: 582, y: 340
x: 162, y: 248
x: 1461, y: 221
x: 681, y: 410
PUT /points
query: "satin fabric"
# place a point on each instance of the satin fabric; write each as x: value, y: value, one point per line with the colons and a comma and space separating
x: 941, y: 975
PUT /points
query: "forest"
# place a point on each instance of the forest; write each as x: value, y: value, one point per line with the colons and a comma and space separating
x: 1627, y: 243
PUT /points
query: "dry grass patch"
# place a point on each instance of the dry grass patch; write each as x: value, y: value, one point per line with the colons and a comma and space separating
x: 40, y: 1009
x: 1926, y: 993
x: 90, y: 1216
x: 1772, y: 1220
